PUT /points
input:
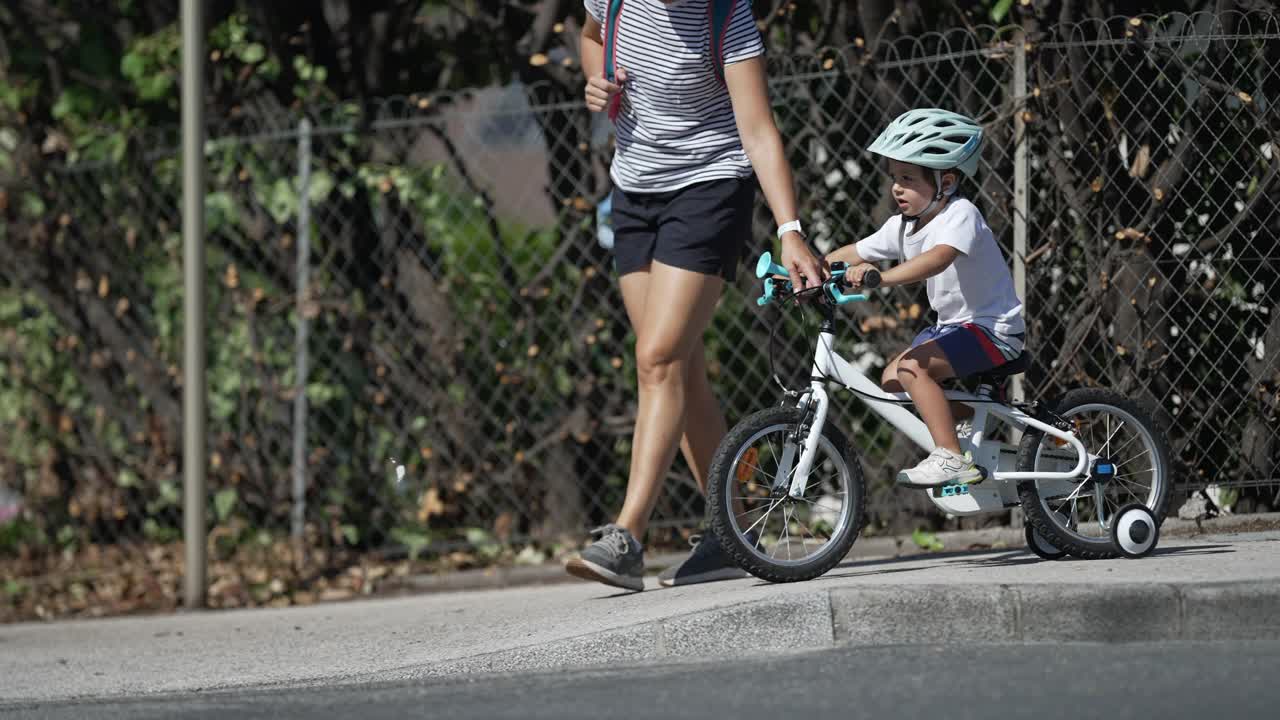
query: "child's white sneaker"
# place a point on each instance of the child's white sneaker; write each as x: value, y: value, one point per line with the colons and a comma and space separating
x: 942, y: 467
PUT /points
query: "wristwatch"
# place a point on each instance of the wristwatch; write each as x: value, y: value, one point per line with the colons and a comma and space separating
x: 787, y: 227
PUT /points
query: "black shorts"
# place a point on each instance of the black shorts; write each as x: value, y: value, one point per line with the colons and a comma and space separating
x: 702, y: 227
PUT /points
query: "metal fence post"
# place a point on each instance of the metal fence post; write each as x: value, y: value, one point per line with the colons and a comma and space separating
x: 1018, y: 93
x: 194, y: 456
x: 300, y: 398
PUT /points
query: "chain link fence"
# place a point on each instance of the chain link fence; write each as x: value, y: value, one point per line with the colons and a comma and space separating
x: 416, y: 343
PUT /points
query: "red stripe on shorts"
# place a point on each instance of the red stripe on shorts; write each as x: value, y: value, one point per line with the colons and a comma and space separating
x: 993, y: 353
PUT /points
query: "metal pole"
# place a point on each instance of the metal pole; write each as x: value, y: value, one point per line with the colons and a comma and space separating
x: 300, y: 398
x: 1020, y: 189
x: 193, y: 306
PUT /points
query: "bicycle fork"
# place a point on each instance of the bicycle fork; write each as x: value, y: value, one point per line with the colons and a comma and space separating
x: 813, y: 417
x: 805, y: 443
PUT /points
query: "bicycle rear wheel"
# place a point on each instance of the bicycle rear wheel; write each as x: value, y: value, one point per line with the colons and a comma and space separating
x: 768, y: 533
x: 1128, y: 462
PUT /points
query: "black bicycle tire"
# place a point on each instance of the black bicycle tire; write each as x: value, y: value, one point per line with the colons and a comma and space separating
x: 719, y: 509
x: 1033, y: 509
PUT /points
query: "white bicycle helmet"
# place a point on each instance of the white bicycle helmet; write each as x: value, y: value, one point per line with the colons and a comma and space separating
x: 933, y: 138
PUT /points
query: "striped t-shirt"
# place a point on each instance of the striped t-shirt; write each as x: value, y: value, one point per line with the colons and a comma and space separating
x: 676, y: 125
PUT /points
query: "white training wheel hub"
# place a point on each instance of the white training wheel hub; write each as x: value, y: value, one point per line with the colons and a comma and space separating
x: 1135, y: 531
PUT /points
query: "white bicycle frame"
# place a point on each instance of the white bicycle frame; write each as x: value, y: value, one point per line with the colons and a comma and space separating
x: 999, y: 493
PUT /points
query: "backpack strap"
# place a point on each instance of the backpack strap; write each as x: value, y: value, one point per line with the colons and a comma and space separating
x: 613, y: 15
x: 719, y: 12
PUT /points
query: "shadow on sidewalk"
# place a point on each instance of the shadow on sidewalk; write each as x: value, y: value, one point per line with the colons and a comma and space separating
x: 1193, y: 550
x: 995, y: 558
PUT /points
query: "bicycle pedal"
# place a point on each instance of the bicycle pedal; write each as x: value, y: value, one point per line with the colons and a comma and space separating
x: 953, y: 490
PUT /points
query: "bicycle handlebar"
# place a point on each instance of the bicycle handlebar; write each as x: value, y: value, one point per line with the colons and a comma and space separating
x: 832, y: 288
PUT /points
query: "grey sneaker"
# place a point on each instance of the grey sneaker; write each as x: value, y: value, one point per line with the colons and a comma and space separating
x: 706, y: 563
x: 615, y: 559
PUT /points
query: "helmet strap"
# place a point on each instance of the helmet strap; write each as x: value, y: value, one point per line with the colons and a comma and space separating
x: 938, y: 195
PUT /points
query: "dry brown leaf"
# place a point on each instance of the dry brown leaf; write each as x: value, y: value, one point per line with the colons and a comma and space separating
x: 503, y: 525
x: 430, y: 506
x: 878, y: 322
x: 1141, y: 162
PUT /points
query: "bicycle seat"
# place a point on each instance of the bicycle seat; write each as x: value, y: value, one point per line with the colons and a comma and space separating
x: 1016, y: 366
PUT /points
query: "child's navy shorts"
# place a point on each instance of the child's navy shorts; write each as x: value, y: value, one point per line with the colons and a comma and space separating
x: 971, y: 348
x: 703, y: 227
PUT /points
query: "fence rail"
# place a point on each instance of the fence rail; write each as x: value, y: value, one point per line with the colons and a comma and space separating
x: 419, y: 342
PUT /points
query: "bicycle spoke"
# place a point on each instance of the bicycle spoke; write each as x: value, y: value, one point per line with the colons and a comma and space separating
x: 762, y: 519
x: 814, y: 534
x: 786, y: 531
x: 1112, y: 504
x: 804, y: 528
x: 1107, y: 444
x: 1126, y: 462
x: 1127, y: 444
x: 1139, y: 483
x: 1074, y: 493
x: 1129, y: 488
x: 745, y: 513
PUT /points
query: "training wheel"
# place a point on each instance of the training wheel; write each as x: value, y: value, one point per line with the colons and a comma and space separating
x: 1134, y: 531
x: 1038, y: 545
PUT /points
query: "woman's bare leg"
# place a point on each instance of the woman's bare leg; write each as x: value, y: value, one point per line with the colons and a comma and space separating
x: 704, y: 423
x: 678, y: 306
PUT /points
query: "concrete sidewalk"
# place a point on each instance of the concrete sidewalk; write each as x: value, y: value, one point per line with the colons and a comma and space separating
x: 1214, y: 587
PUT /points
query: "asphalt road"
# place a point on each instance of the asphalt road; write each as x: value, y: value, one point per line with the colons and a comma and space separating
x: 1167, y: 680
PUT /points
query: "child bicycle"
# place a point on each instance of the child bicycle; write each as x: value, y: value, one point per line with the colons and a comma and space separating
x: 786, y: 493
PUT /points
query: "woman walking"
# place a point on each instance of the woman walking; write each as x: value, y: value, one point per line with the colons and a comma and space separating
x: 684, y: 81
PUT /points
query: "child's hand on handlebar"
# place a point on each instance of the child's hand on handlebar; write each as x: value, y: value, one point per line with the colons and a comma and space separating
x: 854, y: 275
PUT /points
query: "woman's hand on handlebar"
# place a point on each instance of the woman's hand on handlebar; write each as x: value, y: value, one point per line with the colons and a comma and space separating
x: 806, y: 269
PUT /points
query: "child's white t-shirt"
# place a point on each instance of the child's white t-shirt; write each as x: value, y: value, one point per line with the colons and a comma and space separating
x: 977, y: 287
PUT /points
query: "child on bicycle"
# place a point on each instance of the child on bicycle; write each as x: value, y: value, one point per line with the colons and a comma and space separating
x: 941, y: 238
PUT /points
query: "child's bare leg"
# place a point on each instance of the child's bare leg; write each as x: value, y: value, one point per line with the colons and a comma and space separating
x: 919, y: 371
x: 889, y: 383
x: 889, y: 379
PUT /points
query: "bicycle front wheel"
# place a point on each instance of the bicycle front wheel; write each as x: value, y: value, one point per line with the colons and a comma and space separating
x: 768, y: 533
